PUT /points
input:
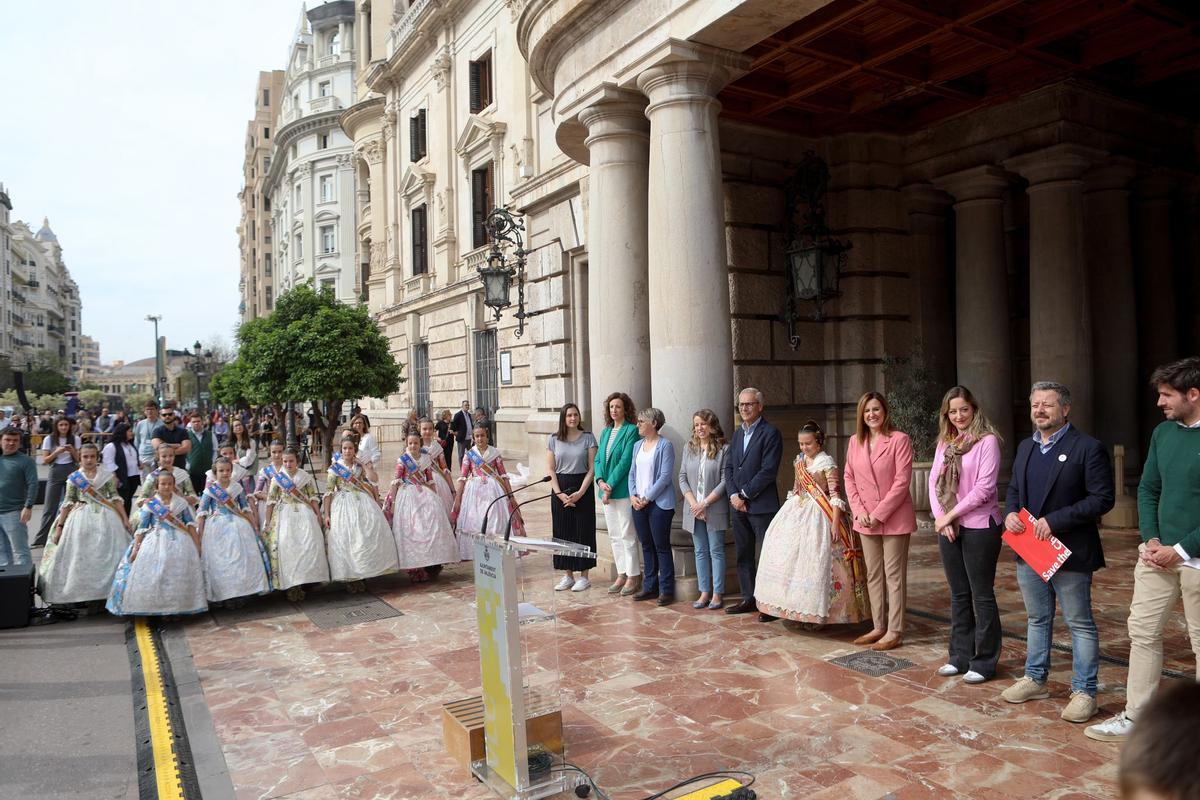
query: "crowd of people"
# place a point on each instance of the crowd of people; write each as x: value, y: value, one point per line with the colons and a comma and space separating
x: 168, y: 518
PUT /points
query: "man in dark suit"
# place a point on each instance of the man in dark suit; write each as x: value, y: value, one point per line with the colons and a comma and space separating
x: 1064, y: 478
x: 750, y: 472
x: 463, y: 427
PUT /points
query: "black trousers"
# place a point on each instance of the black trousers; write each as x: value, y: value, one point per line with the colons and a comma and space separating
x: 127, y: 490
x: 970, y: 565
x: 56, y: 489
x: 749, y: 530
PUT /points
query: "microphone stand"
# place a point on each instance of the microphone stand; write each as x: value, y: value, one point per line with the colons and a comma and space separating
x: 488, y: 510
x: 508, y: 528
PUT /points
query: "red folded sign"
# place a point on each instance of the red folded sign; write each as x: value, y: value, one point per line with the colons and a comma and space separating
x: 1044, y: 556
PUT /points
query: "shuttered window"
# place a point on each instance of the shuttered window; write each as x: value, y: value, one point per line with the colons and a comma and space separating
x: 420, y: 247
x: 481, y: 203
x: 481, y: 83
x: 417, y: 147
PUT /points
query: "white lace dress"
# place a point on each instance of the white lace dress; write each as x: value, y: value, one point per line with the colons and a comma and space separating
x: 359, y: 540
x: 80, y: 568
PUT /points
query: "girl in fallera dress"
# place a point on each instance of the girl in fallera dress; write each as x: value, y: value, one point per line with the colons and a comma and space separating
x: 433, y: 458
x: 161, y: 574
x: 262, y: 481
x: 166, y: 463
x: 811, y: 567
x: 295, y: 541
x: 483, y: 479
x: 424, y: 538
x: 358, y: 537
x: 88, y: 539
x: 235, y: 561
x: 240, y: 476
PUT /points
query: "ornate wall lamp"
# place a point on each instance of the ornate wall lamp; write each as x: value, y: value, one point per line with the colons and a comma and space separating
x: 815, y: 257
x: 505, y: 262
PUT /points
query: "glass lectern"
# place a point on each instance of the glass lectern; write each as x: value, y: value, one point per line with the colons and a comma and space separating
x: 518, y: 658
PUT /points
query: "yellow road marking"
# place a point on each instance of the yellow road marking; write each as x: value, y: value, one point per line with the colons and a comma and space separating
x: 166, y: 769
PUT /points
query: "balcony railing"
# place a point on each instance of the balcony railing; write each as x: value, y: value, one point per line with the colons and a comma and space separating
x: 327, y: 103
x: 404, y: 30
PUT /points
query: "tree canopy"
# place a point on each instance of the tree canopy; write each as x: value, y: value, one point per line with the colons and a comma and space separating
x: 311, y: 347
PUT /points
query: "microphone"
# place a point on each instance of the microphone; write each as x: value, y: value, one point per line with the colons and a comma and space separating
x: 508, y: 528
x: 488, y: 510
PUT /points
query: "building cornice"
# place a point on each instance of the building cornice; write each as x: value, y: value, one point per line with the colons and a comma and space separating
x: 361, y: 113
x: 293, y: 130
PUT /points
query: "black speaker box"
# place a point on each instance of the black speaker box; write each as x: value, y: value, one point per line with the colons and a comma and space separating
x: 16, y: 595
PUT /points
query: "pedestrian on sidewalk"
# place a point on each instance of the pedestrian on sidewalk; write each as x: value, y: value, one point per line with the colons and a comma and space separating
x: 61, y: 451
x: 1169, y: 562
x: 1064, y: 479
x: 18, y: 493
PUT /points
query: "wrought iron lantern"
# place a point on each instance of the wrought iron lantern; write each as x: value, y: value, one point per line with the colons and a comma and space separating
x: 815, y: 257
x: 505, y: 263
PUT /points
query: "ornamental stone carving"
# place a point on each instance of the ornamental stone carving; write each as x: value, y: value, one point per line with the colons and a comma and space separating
x: 305, y: 170
x: 371, y: 151
x: 378, y: 254
x: 345, y: 160
x: 441, y: 68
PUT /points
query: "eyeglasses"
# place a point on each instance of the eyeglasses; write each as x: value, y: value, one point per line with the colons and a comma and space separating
x: 751, y: 404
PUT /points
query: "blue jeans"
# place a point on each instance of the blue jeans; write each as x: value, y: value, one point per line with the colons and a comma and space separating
x: 14, y: 540
x: 653, y: 526
x: 710, y: 558
x: 1074, y: 591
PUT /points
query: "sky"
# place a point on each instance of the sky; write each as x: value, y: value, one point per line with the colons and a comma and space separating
x: 124, y: 124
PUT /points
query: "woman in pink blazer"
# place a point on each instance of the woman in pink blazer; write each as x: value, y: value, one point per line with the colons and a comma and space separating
x: 962, y: 496
x: 878, y: 470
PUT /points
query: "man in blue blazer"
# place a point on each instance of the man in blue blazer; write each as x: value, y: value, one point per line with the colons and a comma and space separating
x: 1064, y: 478
x: 750, y: 472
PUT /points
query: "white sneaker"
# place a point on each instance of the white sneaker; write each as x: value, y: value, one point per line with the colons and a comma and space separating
x: 946, y: 670
x: 1116, y: 729
x: 580, y: 585
x: 971, y: 676
x: 566, y: 583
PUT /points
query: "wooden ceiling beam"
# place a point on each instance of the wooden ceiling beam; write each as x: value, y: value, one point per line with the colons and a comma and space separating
x: 815, y: 25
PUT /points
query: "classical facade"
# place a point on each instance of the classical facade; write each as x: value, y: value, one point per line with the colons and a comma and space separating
x: 89, y: 358
x: 255, y: 237
x: 40, y: 300
x: 310, y: 182
x: 442, y: 134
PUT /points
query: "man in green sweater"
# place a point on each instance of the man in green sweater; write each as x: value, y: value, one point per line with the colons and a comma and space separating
x: 1169, y: 517
x: 18, y: 493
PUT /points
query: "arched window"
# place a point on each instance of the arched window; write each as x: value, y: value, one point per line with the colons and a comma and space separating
x: 332, y: 45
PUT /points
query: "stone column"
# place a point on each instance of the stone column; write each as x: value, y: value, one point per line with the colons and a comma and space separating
x: 1109, y: 250
x: 981, y: 323
x: 617, y: 284
x: 1060, y: 317
x: 933, y: 311
x: 1156, y: 289
x: 691, y: 347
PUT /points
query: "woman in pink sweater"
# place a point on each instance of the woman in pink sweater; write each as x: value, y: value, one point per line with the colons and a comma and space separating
x: 962, y: 494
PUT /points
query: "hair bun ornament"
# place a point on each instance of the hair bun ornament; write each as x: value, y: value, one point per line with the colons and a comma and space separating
x: 811, y: 426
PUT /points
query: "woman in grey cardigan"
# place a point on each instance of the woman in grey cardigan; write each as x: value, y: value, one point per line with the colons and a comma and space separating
x: 705, y: 505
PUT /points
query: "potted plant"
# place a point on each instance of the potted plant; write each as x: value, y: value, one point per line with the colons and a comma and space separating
x: 913, y: 403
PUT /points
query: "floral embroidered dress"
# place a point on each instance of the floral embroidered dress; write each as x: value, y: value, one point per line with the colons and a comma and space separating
x: 809, y: 571
x: 432, y: 458
x: 241, y: 476
x: 420, y: 524
x: 183, y: 486
x: 483, y: 473
x: 166, y: 576
x: 80, y: 568
x: 235, y: 561
x: 359, y: 540
x: 295, y: 541
x: 262, y: 485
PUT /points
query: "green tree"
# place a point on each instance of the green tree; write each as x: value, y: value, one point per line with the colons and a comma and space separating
x: 314, y: 348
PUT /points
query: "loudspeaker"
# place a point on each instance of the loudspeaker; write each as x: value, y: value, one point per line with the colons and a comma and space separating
x: 16, y: 595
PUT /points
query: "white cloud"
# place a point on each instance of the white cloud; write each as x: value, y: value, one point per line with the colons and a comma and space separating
x: 124, y: 124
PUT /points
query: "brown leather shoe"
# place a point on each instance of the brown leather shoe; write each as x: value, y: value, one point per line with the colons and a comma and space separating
x: 892, y: 644
x: 744, y: 607
x: 871, y: 637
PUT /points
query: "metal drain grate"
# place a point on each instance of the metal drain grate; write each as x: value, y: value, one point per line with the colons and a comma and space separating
x: 871, y: 663
x: 337, y: 612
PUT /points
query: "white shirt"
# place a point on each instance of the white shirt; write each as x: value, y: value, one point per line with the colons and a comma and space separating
x: 108, y: 459
x: 645, y: 469
x: 368, y: 450
x: 51, y: 442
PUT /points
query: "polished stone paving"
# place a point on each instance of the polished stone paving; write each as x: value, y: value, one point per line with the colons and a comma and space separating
x: 652, y: 695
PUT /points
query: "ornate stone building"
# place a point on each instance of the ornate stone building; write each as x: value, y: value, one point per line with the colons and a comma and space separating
x: 310, y: 182
x: 1017, y: 181
x: 255, y: 237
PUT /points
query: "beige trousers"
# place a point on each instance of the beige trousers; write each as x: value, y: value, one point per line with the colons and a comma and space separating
x: 886, y: 558
x: 627, y: 552
x: 1155, y: 595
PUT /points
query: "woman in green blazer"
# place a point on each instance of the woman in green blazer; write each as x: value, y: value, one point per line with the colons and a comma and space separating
x: 613, y: 459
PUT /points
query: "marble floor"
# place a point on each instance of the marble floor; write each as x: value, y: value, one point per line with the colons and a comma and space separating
x: 652, y: 695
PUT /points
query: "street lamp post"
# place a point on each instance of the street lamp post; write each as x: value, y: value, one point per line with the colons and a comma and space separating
x: 198, y: 364
x: 158, y: 376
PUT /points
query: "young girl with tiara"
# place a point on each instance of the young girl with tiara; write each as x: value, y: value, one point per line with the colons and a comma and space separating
x: 358, y: 538
x: 420, y: 524
x: 88, y: 539
x: 166, y: 463
x: 433, y: 457
x: 483, y: 480
x: 262, y: 481
x: 161, y: 573
x: 235, y: 561
x: 295, y: 542
x: 240, y: 475
x: 811, y: 568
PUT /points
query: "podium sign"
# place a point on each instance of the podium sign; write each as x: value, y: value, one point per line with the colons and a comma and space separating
x: 499, y: 661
